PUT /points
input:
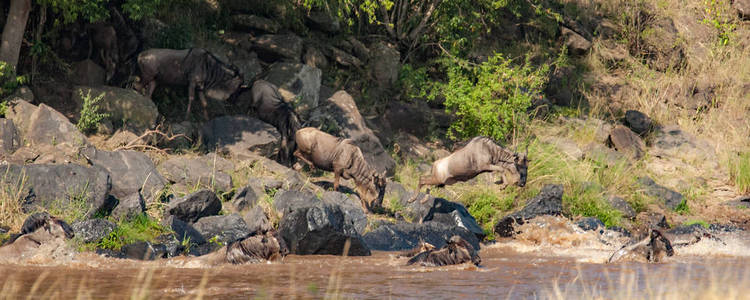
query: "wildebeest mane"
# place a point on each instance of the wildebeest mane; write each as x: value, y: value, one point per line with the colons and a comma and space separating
x: 256, y: 247
x: 456, y: 251
x: 41, y: 220
x: 212, y: 65
x: 358, y: 169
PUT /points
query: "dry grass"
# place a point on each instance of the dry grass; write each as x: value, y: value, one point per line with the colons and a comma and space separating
x: 11, y: 213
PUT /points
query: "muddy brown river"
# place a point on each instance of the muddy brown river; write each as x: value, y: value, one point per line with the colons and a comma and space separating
x: 515, y: 269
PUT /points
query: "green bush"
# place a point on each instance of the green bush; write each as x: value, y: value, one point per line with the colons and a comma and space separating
x: 90, y: 115
x: 490, y: 99
x: 486, y: 204
x: 140, y: 228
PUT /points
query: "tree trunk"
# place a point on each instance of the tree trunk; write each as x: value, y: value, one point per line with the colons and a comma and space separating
x: 15, y: 26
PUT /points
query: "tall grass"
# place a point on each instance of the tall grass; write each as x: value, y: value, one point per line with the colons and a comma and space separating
x: 739, y: 172
x: 11, y: 193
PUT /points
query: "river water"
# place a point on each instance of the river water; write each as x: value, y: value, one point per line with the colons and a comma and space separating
x: 522, y: 268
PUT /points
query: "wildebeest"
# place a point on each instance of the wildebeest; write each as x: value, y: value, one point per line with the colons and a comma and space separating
x: 456, y: 251
x: 479, y: 155
x: 652, y: 248
x: 266, y: 102
x: 344, y: 159
x: 103, y: 44
x: 40, y: 230
x: 197, y: 68
x: 421, y: 247
x: 256, y: 248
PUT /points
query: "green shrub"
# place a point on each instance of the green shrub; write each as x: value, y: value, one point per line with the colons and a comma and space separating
x: 703, y: 224
x: 739, y: 172
x: 588, y: 202
x: 718, y: 14
x: 140, y: 228
x: 486, y: 204
x: 490, y: 99
x: 90, y: 115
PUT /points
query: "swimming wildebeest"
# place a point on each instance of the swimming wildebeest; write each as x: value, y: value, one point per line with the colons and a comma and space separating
x: 255, y: 248
x: 197, y: 68
x: 40, y: 230
x: 479, y: 155
x: 264, y: 99
x: 650, y: 249
x: 456, y: 251
x: 421, y: 247
x: 344, y: 159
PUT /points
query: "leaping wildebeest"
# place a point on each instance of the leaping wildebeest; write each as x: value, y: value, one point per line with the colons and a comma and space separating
x: 197, y: 68
x: 344, y: 159
x: 456, y: 251
x: 480, y: 155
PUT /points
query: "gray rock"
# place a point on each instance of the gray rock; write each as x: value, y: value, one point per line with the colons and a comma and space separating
x: 315, y: 58
x: 183, y: 231
x: 129, y: 207
x: 87, y: 72
x: 351, y: 207
x: 623, y: 206
x: 743, y: 8
x: 247, y: 198
x: 298, y: 84
x: 577, y: 44
x: 323, y: 21
x: 286, y: 201
x: 548, y: 202
x: 591, y: 223
x: 20, y: 112
x: 342, y: 58
x: 254, y: 23
x: 273, y: 47
x: 92, y: 230
x: 241, y: 137
x: 637, y: 121
x: 125, y: 107
x: 131, y: 171
x: 192, y: 207
x: 321, y: 229
x: 140, y: 250
x: 246, y: 61
x: 339, y: 116
x: 61, y: 187
x: 662, y: 42
x: 626, y: 141
x: 670, y: 198
x: 257, y: 220
x: 406, y: 236
x: 225, y: 228
x: 10, y: 141
x: 49, y: 127
x: 205, y: 171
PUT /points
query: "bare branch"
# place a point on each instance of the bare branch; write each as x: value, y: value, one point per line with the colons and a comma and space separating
x: 418, y: 30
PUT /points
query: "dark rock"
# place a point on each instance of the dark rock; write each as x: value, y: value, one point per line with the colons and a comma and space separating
x: 225, y: 228
x: 298, y: 84
x: 20, y: 112
x: 49, y: 127
x: 351, y: 207
x: 170, y: 245
x: 286, y: 201
x: 652, y: 220
x: 321, y: 229
x: 315, y: 58
x: 10, y: 141
x: 61, y: 187
x: 406, y: 236
x: 129, y: 207
x: 363, y: 53
x: 342, y: 58
x: 446, y: 212
x: 323, y: 21
x: 125, y: 108
x: 87, y: 72
x: 407, y: 117
x: 92, y: 230
x: 206, y: 171
x: 687, y: 229
x: 254, y: 23
x: 183, y: 231
x: 548, y: 202
x: 724, y: 227
x: 670, y: 198
x: 743, y: 8
x: 621, y: 230
x: 626, y: 141
x: 257, y: 220
x: 577, y: 44
x: 384, y: 65
x: 131, y: 171
x: 192, y: 207
x: 246, y: 198
x: 141, y: 250
x: 273, y: 47
x: 339, y: 116
x: 241, y: 136
x: 622, y: 205
x: 637, y: 121
x: 591, y: 223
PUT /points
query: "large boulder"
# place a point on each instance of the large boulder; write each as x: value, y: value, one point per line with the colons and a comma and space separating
x: 209, y: 171
x: 321, y: 229
x: 548, y: 202
x: 384, y: 64
x: 192, y: 207
x: 273, y: 47
x: 314, y: 57
x: 129, y: 207
x: 638, y: 122
x: 257, y: 220
x: 87, y: 72
x: 124, y: 107
x: 92, y: 230
x: 298, y: 84
x: 351, y: 207
x: 405, y: 236
x: 247, y: 198
x: 241, y: 137
x: 343, y: 58
x: 323, y: 21
x: 670, y: 198
x: 224, y: 229
x: 339, y: 116
x: 576, y: 43
x: 626, y: 141
x: 19, y: 111
x: 254, y: 23
x: 10, y: 141
x: 622, y: 205
x: 61, y: 187
x: 286, y: 201
x: 49, y: 127
x: 183, y: 231
x: 662, y: 44
x: 131, y: 172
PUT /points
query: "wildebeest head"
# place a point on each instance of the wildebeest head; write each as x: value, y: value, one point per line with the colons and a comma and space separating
x: 659, y: 243
x: 458, y: 242
x: 521, y: 162
x: 375, y: 190
x: 45, y: 221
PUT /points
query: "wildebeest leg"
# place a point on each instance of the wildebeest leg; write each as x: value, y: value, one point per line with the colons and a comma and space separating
x: 336, y: 177
x: 150, y: 86
x: 191, y: 96
x: 202, y: 96
x: 302, y: 157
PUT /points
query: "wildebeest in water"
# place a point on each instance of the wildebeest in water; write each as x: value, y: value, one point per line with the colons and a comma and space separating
x: 456, y: 251
x: 344, y: 159
x: 480, y: 155
x: 255, y: 248
x: 197, y: 68
x: 652, y: 248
